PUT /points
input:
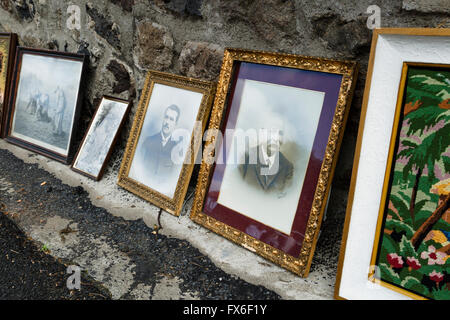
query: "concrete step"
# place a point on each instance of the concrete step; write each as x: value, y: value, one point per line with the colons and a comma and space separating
x: 115, y: 237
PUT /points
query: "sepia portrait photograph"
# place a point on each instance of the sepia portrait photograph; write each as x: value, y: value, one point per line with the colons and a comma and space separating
x: 100, y: 137
x: 46, y: 100
x: 269, y: 172
x: 160, y: 153
x: 156, y: 162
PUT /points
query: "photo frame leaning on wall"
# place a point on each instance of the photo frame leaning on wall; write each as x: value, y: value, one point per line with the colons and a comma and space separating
x: 101, y: 136
x: 8, y: 43
x: 267, y: 189
x: 165, y: 138
x: 394, y: 238
x: 45, y: 101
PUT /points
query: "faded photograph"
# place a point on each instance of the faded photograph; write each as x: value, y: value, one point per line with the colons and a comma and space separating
x: 100, y: 136
x: 265, y: 166
x: 165, y: 135
x: 268, y: 155
x: 46, y: 101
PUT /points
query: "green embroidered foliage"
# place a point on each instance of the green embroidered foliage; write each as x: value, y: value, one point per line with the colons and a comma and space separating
x: 421, y: 216
x: 400, y: 203
x: 428, y: 86
x: 420, y: 93
x: 427, y: 153
x: 421, y: 289
x: 388, y: 274
x: 416, y: 274
x: 425, y: 118
x: 399, y: 226
x: 388, y: 246
x: 407, y: 249
x: 441, y: 294
x: 446, y: 161
x: 413, y: 284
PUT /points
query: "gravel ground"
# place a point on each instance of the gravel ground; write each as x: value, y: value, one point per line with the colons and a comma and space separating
x: 27, y: 272
x: 153, y: 256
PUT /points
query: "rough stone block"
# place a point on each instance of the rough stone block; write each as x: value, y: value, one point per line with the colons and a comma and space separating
x: 25, y: 9
x: 123, y: 81
x: 127, y: 5
x: 426, y: 6
x: 342, y: 36
x: 201, y: 60
x: 154, y: 46
x: 104, y: 27
x: 182, y: 7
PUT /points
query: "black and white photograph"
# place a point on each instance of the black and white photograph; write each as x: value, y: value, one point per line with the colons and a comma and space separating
x: 46, y: 100
x: 165, y: 139
x: 166, y: 133
x: 100, y: 137
x: 267, y: 175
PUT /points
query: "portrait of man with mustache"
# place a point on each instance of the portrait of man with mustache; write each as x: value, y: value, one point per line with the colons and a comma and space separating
x: 157, y: 149
x: 266, y: 166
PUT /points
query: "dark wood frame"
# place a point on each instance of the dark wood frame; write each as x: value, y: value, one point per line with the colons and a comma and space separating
x: 114, y: 141
x: 10, y: 66
x: 66, y: 159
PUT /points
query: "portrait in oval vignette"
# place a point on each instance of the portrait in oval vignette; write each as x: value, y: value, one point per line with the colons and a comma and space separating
x: 165, y: 136
x: 271, y: 152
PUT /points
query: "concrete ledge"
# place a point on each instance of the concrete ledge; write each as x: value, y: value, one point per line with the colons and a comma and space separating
x: 229, y: 257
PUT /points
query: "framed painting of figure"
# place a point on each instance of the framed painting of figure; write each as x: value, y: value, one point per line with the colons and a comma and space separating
x: 8, y: 42
x: 396, y: 241
x: 165, y: 139
x: 270, y: 152
x: 96, y: 147
x: 45, y: 101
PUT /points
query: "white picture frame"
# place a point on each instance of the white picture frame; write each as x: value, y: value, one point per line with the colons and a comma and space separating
x: 390, y: 49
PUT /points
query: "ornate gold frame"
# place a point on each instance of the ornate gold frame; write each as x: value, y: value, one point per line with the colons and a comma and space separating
x: 11, y: 38
x: 351, y: 194
x: 301, y: 264
x: 174, y: 205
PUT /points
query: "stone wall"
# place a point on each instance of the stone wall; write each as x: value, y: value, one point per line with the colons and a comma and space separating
x: 124, y: 38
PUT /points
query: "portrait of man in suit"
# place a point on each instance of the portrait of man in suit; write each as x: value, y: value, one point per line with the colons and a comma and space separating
x: 157, y: 149
x: 265, y: 166
x: 165, y: 136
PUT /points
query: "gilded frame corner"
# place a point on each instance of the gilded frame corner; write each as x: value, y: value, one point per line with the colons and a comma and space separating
x: 175, y: 204
x: 11, y: 38
x: 299, y: 265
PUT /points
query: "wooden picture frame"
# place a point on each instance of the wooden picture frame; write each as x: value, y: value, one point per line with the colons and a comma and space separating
x: 8, y: 43
x: 43, y: 112
x: 373, y: 213
x: 176, y: 109
x: 110, y: 115
x: 256, y: 87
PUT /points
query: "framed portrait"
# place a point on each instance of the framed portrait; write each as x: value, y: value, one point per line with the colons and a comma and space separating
x: 8, y: 42
x: 165, y: 138
x: 270, y: 152
x: 45, y: 101
x: 97, y: 145
x: 396, y: 242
